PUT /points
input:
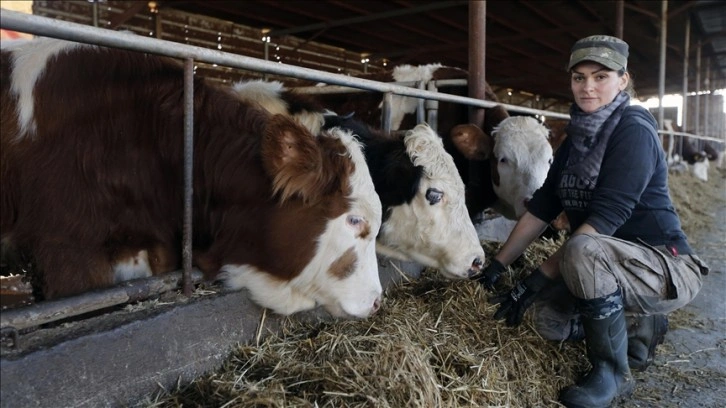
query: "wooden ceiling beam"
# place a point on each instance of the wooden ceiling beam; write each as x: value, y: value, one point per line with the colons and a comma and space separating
x: 120, y: 19
x: 397, y: 23
x: 369, y: 17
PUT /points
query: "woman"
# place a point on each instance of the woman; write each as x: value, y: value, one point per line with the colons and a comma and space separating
x: 627, y: 252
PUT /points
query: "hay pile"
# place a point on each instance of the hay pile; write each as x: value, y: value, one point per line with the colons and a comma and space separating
x: 696, y: 200
x: 433, y: 344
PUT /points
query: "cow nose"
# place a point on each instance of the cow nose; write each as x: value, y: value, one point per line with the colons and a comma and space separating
x: 475, y: 267
x: 376, y: 305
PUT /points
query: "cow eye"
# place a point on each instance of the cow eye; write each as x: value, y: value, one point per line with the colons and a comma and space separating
x: 354, y: 220
x: 503, y: 160
x: 434, y: 196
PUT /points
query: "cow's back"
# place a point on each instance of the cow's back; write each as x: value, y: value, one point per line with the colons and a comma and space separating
x: 96, y: 153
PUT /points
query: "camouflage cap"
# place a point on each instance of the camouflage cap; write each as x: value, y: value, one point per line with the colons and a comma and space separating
x: 611, y: 52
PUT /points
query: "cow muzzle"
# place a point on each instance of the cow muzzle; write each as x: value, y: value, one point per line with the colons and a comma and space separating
x: 476, y: 266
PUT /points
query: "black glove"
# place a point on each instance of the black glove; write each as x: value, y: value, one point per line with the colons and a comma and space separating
x: 491, y: 274
x: 520, y: 298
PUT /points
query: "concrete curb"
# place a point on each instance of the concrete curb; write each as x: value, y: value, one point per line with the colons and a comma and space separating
x: 117, y: 366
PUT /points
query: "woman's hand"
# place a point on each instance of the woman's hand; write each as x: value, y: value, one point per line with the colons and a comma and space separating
x: 491, y: 274
x: 512, y: 305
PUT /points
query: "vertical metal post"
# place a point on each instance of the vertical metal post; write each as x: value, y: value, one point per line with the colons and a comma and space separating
x: 188, y: 172
x: 157, y: 24
x: 267, y: 54
x: 662, y: 69
x: 420, y: 104
x: 619, y: 18
x: 95, y: 13
x: 477, y: 80
x: 477, y: 57
x: 707, y: 115
x: 432, y: 108
x: 686, y: 52
x: 697, y: 110
x: 386, y: 112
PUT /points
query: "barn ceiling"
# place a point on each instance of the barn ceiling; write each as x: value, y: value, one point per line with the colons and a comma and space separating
x: 527, y: 42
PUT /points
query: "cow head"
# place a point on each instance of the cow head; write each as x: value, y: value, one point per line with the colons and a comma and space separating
x: 433, y: 228
x: 519, y: 154
x: 523, y: 157
x: 325, y: 199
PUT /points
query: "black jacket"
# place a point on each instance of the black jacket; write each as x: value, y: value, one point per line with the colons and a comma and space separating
x: 631, y: 200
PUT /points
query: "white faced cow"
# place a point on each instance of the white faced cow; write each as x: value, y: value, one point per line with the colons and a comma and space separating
x: 520, y: 159
x: 91, y: 183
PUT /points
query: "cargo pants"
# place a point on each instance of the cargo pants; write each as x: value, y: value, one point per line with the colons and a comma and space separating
x: 653, y: 280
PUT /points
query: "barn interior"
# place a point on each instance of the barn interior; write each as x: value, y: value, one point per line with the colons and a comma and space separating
x: 526, y: 46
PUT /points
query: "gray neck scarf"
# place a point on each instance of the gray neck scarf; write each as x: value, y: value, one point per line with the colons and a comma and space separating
x: 590, y: 133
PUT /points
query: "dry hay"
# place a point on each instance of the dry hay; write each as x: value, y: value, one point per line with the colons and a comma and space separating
x: 433, y: 344
x: 695, y: 200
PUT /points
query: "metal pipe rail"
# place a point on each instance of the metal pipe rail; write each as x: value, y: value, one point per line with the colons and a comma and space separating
x: 43, y: 26
x: 691, y: 135
x: 53, y: 310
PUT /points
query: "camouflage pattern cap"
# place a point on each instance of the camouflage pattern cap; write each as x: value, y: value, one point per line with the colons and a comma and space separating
x: 611, y: 52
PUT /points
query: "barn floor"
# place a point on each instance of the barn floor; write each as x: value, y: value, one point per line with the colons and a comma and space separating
x: 690, y: 366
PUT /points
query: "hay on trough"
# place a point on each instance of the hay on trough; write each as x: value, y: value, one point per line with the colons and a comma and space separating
x: 434, y: 343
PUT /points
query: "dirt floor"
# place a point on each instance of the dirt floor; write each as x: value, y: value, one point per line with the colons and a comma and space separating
x: 690, y: 367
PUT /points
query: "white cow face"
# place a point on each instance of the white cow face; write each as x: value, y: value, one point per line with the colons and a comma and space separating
x: 343, y: 275
x: 351, y: 286
x: 434, y: 229
x: 523, y: 157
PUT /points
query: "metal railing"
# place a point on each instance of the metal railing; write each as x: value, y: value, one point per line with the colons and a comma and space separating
x: 47, y: 27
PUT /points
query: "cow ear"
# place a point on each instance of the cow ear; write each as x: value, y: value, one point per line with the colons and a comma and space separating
x: 291, y: 157
x: 493, y: 117
x: 472, y: 142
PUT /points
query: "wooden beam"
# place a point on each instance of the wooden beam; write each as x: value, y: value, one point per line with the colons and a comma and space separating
x: 120, y: 19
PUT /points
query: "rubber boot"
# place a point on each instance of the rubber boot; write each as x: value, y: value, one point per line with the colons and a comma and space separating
x: 607, y: 349
x: 644, y: 334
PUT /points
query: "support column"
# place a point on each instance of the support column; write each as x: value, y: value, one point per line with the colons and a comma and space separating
x: 477, y: 81
x: 477, y: 57
x: 707, y: 114
x: 662, y: 69
x: 697, y: 113
x: 686, y: 52
x: 619, y: 18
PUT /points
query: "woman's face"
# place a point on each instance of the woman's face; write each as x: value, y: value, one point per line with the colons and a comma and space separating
x: 594, y: 86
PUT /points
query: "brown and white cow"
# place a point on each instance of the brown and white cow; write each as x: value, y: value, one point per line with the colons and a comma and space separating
x: 92, y: 183
x: 474, y: 157
x: 422, y: 194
